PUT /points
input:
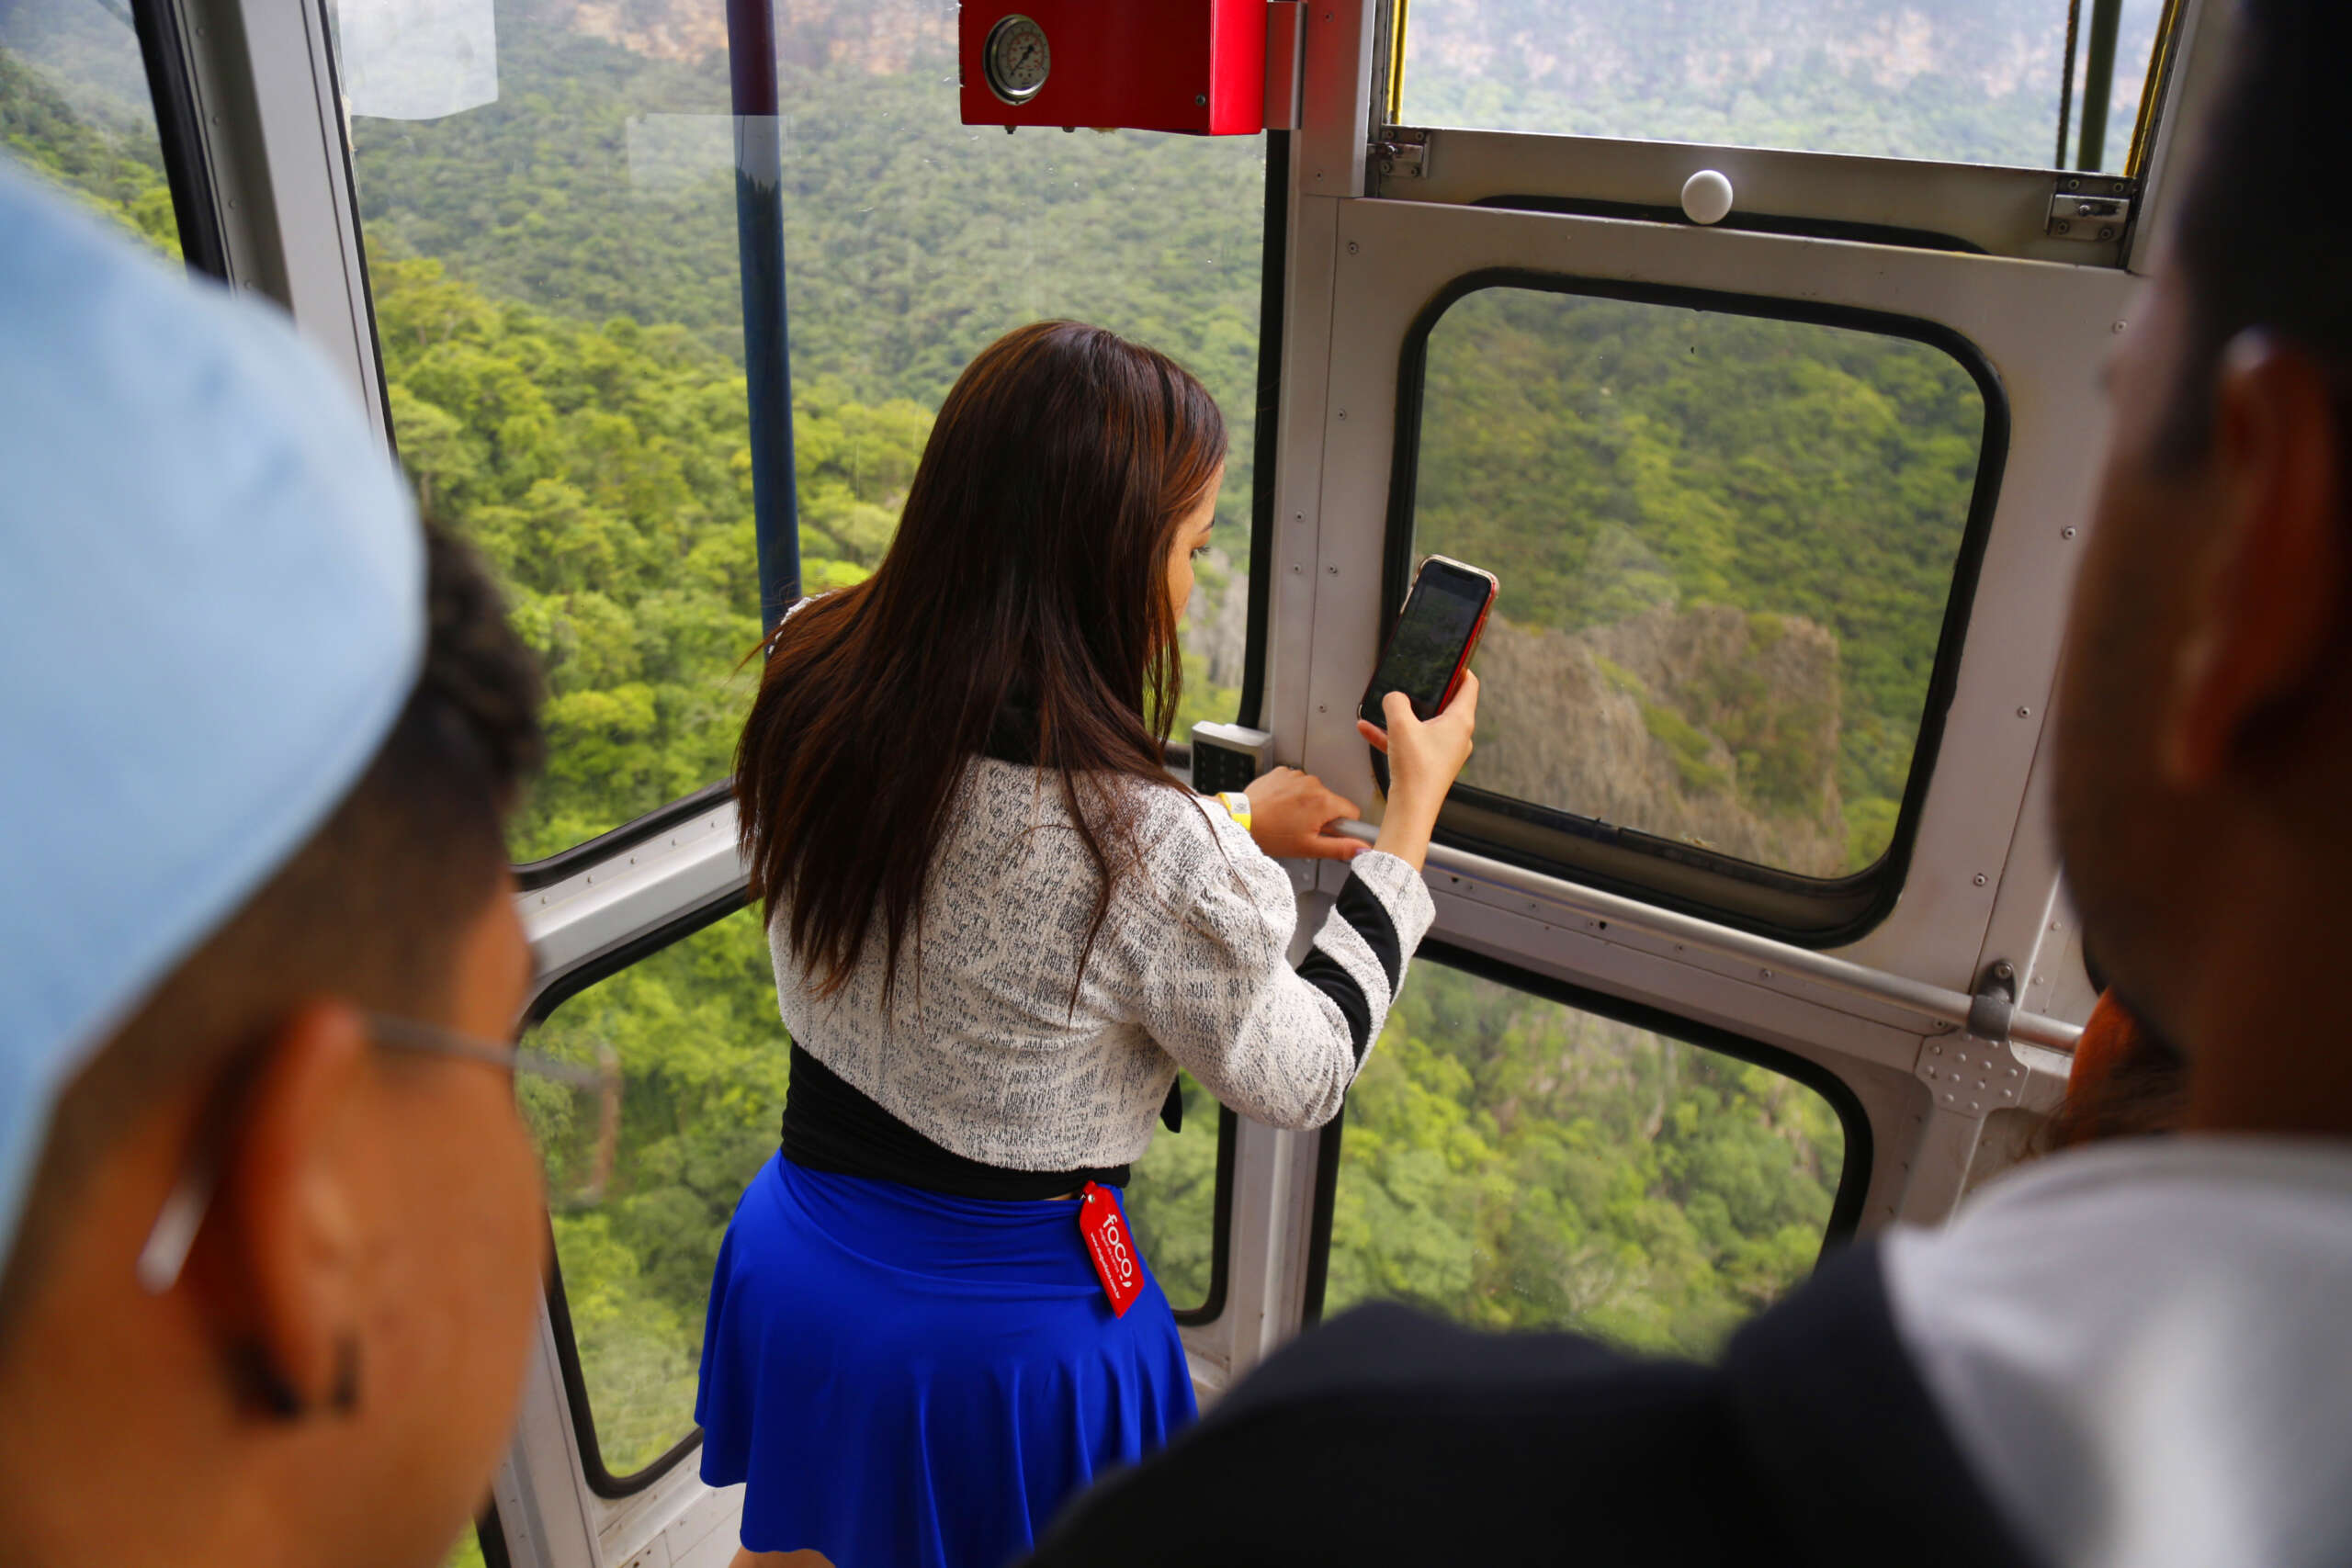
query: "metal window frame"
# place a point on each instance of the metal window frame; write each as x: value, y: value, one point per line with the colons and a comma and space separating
x: 1854, y: 1171
x: 179, y: 131
x: 1985, y: 208
x: 554, y: 991
x: 549, y: 869
x: 262, y: 89
x: 1993, y: 208
x: 1749, y: 896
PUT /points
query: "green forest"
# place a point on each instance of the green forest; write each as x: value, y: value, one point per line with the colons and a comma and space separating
x: 1741, y: 531
x: 1623, y: 467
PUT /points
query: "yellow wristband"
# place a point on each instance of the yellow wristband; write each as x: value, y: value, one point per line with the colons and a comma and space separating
x: 1236, y: 805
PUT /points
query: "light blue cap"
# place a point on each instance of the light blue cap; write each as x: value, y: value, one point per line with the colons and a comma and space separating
x: 211, y: 611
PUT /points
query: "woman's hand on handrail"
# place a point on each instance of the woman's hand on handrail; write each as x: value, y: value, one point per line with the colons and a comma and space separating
x: 1290, y: 813
x: 1424, y: 761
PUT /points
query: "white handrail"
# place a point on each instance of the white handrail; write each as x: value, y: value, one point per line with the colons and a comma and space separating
x: 1779, y: 957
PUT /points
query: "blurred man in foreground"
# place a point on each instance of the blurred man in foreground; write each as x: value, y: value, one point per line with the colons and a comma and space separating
x: 270, y: 1220
x: 2132, y: 1353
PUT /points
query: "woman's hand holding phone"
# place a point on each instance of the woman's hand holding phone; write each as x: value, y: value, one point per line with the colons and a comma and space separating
x: 1291, y: 814
x: 1424, y: 758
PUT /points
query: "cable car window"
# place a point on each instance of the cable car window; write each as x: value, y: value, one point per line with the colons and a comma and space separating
x: 1513, y: 1162
x: 2033, y: 82
x: 1172, y: 1201
x: 548, y: 198
x: 644, y: 1168
x: 74, y: 111
x: 1727, y: 545
x: 643, y: 1171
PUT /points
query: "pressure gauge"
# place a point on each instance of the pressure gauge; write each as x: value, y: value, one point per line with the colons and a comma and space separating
x: 1016, y: 59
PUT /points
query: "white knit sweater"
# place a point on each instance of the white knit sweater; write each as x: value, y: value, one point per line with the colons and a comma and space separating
x: 981, y: 1052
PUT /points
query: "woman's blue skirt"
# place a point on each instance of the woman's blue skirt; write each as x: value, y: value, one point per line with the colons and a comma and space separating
x: 906, y: 1380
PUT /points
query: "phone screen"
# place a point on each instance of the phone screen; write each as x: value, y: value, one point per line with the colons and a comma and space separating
x: 1427, y: 646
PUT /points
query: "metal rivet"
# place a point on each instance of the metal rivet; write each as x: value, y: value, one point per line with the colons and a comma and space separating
x: 1322, y: 707
x: 1764, y: 973
x: 1353, y: 247
x: 1201, y: 100
x: 1333, y: 570
x: 2005, y: 969
x: 2024, y: 713
x: 1343, y: 414
x: 1980, y: 879
x: 2066, y: 533
x: 2116, y: 328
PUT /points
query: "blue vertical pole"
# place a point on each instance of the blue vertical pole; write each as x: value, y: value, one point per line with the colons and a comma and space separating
x: 767, y: 356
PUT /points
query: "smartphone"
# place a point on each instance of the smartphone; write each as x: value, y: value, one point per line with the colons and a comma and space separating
x: 1434, y: 635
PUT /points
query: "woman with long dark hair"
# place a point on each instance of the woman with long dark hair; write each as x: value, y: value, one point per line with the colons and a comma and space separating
x: 1000, y: 928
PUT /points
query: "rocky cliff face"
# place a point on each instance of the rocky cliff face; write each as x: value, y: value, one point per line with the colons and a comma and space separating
x: 1703, y: 723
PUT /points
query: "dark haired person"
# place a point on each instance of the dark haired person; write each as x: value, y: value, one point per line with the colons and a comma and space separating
x: 2132, y: 1353
x: 999, y: 928
x: 272, y: 1226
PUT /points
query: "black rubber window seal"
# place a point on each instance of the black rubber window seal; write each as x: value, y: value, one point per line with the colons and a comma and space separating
x: 179, y: 131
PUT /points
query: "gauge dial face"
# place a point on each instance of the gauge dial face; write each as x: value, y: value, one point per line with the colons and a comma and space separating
x: 1016, y: 59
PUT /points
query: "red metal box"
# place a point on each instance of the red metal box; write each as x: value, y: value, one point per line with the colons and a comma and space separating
x: 1194, y: 65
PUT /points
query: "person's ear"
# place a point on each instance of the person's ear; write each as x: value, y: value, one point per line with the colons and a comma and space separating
x: 2263, y: 617
x: 289, y: 1215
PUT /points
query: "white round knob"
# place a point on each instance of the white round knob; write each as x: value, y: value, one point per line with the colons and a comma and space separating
x: 1706, y: 196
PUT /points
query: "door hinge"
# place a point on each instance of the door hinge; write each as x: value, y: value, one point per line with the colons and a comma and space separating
x: 2092, y: 208
x: 1401, y: 153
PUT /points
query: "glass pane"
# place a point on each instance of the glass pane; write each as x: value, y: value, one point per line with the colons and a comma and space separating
x: 1512, y: 1163
x: 1726, y: 544
x: 643, y: 1175
x: 74, y: 110
x: 552, y: 245
x: 1172, y: 1201
x: 1961, y: 81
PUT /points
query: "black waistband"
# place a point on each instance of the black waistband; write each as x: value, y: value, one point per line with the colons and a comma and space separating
x: 830, y: 1125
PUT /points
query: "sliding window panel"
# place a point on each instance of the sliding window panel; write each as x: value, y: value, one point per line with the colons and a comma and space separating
x: 1983, y: 81
x: 1901, y: 343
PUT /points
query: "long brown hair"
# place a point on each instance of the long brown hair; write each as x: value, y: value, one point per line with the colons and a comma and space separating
x: 1028, y: 577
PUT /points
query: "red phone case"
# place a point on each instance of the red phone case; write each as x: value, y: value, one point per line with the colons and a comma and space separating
x: 1469, y: 645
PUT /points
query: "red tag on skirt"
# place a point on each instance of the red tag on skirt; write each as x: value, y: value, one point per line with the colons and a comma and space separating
x: 1112, y: 1250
